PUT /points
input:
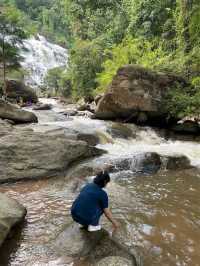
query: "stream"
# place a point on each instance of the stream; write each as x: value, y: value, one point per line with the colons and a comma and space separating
x: 159, y: 213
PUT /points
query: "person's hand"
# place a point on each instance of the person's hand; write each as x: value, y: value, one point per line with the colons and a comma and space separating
x: 116, y: 226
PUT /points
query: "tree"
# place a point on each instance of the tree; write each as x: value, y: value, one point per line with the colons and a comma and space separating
x: 11, y: 37
x: 85, y: 62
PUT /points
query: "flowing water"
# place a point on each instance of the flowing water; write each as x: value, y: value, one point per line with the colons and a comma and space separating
x: 39, y: 57
x: 159, y: 214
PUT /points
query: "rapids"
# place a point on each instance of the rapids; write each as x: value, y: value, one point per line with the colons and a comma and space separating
x: 159, y: 214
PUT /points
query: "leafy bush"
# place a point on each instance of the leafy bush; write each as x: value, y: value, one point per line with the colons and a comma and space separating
x: 181, y: 103
x: 57, y: 82
x: 131, y: 51
x: 85, y: 62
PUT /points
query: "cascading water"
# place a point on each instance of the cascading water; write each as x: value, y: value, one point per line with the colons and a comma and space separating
x: 158, y: 213
x: 39, y: 57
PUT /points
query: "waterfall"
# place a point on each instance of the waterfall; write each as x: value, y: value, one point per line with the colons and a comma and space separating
x: 39, y: 57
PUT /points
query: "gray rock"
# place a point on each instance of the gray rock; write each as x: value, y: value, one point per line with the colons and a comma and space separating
x: 91, y: 139
x: 11, y: 112
x: 16, y: 90
x: 29, y: 155
x: 84, y: 107
x: 98, y: 98
x: 142, y: 163
x: 5, y: 128
x: 77, y: 243
x: 119, y: 130
x: 85, y: 113
x: 190, y: 127
x: 177, y: 162
x: 42, y: 107
x: 149, y: 162
x: 70, y: 112
x: 11, y: 213
x: 114, y: 261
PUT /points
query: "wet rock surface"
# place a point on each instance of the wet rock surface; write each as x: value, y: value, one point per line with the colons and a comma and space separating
x: 114, y: 261
x: 11, y: 213
x: 119, y: 130
x: 93, y: 246
x: 142, y: 163
x: 42, y: 107
x: 187, y: 127
x: 13, y: 113
x: 177, y: 162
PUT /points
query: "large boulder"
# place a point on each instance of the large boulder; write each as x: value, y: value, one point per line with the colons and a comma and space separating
x: 16, y: 90
x: 135, y: 89
x: 94, y: 246
x: 29, y: 155
x: 12, y: 112
x: 11, y: 213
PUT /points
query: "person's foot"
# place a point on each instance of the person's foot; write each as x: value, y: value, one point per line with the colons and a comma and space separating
x: 92, y: 228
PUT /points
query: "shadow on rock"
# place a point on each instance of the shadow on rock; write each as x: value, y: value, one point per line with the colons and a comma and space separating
x: 11, y: 244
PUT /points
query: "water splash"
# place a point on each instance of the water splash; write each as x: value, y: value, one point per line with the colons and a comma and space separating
x: 39, y: 57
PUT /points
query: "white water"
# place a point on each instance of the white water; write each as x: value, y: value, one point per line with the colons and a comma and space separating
x: 151, y: 142
x: 146, y: 139
x: 40, y: 57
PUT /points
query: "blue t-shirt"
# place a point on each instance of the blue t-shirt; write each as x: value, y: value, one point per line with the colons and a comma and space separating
x: 89, y: 205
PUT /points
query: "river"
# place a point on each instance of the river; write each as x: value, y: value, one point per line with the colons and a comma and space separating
x: 159, y: 213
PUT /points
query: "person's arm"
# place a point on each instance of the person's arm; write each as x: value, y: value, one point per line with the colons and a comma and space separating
x: 109, y: 216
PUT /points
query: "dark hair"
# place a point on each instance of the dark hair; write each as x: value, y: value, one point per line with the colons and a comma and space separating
x: 102, y: 179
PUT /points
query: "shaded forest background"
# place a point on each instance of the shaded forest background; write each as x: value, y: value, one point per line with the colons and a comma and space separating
x: 103, y: 35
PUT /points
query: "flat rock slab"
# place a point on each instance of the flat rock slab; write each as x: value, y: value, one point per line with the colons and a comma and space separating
x: 79, y: 243
x: 31, y: 155
x: 11, y: 213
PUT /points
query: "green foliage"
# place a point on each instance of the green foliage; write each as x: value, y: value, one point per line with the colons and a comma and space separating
x: 148, y: 18
x: 11, y: 38
x: 85, y: 62
x: 54, y: 26
x: 181, y: 103
x: 103, y: 35
x: 57, y: 82
x: 195, y: 25
x: 131, y: 51
x: 49, y: 17
x: 97, y: 19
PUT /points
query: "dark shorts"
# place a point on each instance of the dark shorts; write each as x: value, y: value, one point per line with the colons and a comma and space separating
x: 94, y: 221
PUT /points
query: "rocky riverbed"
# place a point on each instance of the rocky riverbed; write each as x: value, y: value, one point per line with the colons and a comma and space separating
x: 153, y: 193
